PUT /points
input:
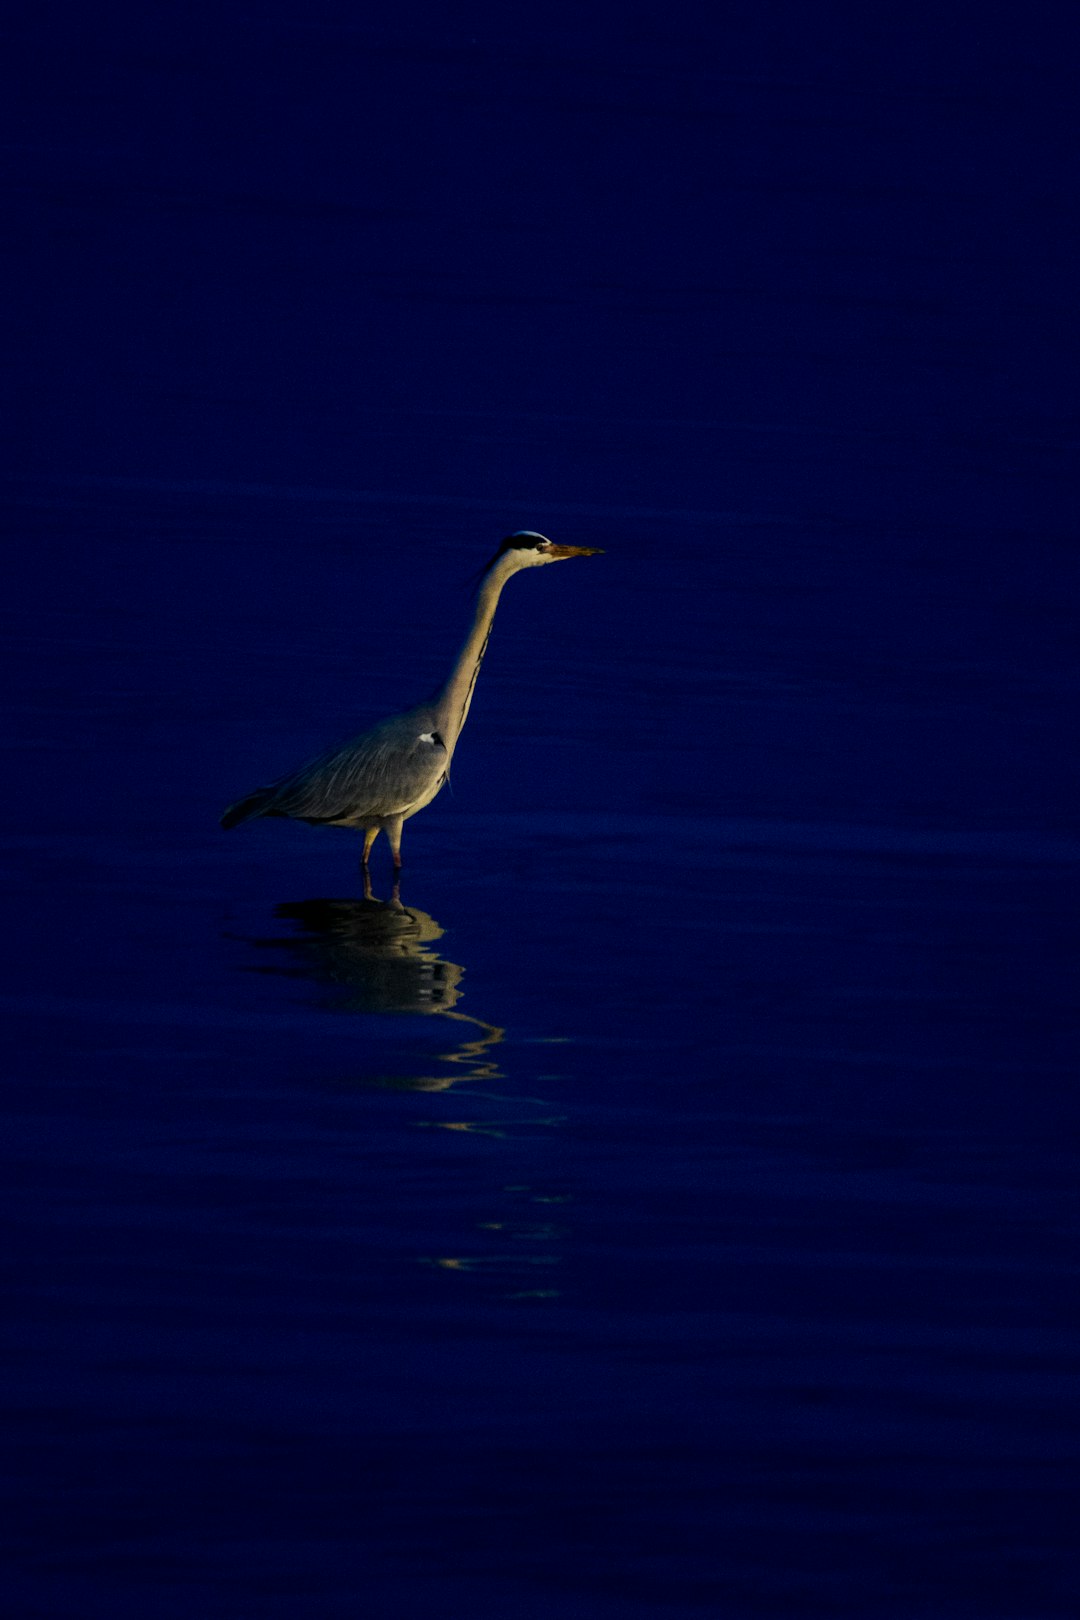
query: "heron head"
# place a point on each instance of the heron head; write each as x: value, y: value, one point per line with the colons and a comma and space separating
x: 530, y: 550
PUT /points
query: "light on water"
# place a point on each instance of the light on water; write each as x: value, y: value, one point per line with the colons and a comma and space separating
x: 659, y: 1199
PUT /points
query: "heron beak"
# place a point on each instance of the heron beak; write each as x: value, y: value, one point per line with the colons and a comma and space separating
x: 560, y: 552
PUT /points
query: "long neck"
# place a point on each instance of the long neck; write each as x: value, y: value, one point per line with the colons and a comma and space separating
x: 452, y: 703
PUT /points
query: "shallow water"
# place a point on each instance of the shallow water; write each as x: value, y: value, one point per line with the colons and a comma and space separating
x: 646, y: 1212
x: 665, y: 1204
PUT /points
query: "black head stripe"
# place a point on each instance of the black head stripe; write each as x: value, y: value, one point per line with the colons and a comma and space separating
x: 523, y: 540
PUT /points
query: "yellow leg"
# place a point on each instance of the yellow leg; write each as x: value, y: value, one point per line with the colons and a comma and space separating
x: 393, y: 832
x: 370, y: 835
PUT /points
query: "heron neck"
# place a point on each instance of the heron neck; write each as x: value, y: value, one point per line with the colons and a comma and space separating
x: 453, y: 702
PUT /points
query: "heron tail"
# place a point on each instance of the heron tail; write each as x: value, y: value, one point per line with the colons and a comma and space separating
x: 256, y: 804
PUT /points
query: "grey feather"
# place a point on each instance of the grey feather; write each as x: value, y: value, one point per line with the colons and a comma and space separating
x: 383, y: 772
x: 379, y: 779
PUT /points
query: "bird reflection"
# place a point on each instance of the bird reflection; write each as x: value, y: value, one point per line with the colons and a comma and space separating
x: 378, y: 956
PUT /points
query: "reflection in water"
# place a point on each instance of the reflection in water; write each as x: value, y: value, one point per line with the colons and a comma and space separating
x: 378, y: 955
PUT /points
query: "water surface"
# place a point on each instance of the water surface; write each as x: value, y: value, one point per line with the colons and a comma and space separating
x: 665, y: 1203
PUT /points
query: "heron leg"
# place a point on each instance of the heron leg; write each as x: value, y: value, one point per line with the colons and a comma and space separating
x: 393, y: 832
x: 370, y: 835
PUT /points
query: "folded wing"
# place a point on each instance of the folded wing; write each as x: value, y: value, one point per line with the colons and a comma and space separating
x: 381, y: 773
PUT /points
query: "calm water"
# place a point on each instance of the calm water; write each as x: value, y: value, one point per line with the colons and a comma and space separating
x: 665, y: 1205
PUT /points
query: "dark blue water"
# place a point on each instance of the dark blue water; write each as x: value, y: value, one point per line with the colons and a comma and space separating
x: 665, y: 1205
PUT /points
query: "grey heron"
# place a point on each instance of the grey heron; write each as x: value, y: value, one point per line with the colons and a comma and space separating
x: 376, y: 781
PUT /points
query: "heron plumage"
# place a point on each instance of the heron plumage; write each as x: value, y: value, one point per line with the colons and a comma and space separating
x: 378, y: 780
x: 382, y: 773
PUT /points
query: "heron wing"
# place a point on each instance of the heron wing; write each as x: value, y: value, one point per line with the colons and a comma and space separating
x: 381, y: 773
